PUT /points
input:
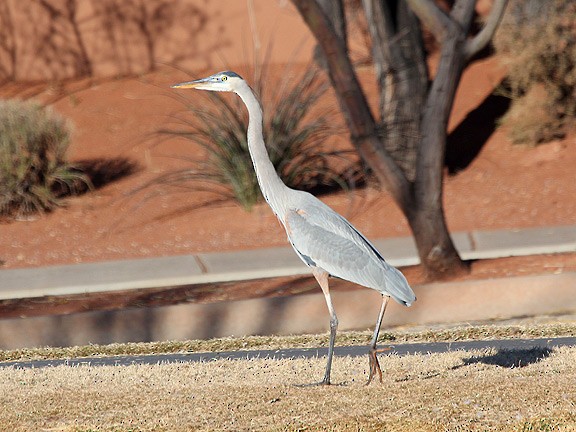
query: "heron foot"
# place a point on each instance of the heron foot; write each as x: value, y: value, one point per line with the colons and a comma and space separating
x: 320, y: 383
x: 374, y: 363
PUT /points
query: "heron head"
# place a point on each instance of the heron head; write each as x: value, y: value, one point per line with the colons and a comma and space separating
x: 221, y: 81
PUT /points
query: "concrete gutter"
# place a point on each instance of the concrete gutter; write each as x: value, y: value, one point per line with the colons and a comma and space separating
x: 452, y: 302
x: 257, y: 264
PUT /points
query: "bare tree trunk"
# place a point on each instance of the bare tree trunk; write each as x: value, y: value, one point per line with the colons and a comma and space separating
x: 353, y: 103
x: 402, y: 77
x: 407, y: 152
x: 434, y: 244
x: 428, y: 221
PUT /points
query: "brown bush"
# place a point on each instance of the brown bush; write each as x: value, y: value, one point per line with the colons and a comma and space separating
x: 538, y: 42
x: 34, y: 172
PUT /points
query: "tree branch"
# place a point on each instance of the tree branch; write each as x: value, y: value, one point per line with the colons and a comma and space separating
x: 353, y: 103
x: 478, y: 42
x: 381, y: 33
x: 462, y: 12
x: 334, y: 11
x: 432, y: 17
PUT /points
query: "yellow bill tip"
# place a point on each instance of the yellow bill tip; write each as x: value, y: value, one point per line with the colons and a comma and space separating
x: 183, y: 85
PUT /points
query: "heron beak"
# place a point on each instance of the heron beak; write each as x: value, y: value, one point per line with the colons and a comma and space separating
x: 190, y: 84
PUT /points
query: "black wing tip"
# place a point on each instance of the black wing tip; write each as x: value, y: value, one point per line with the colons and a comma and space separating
x: 409, y: 302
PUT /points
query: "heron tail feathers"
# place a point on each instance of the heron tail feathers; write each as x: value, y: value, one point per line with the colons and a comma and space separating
x: 398, y: 288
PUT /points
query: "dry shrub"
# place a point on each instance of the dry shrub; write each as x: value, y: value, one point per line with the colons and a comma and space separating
x: 34, y: 174
x: 538, y: 42
x: 532, y: 118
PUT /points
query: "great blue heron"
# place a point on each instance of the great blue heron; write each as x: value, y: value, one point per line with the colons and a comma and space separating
x: 323, y: 239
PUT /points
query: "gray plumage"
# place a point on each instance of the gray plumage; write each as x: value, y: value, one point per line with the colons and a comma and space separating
x: 323, y: 239
x: 330, y: 242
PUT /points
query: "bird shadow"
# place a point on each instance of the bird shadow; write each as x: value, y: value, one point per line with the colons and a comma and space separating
x: 505, y: 358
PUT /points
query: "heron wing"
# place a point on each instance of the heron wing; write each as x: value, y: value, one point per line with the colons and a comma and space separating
x: 323, y: 238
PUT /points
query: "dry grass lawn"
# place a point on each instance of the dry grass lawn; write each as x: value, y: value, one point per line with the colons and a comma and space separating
x: 489, y: 390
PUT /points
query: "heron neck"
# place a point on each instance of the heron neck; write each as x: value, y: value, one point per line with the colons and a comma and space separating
x: 270, y: 183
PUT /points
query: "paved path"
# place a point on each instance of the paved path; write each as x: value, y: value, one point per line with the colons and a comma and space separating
x: 541, y: 347
x: 256, y: 264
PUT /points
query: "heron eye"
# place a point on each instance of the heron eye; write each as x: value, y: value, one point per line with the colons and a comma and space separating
x: 224, y: 78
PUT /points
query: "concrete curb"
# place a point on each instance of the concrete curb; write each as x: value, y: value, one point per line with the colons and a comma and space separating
x: 257, y: 264
x: 452, y: 302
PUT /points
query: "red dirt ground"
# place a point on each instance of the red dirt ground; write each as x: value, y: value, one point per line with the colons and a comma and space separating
x: 505, y: 186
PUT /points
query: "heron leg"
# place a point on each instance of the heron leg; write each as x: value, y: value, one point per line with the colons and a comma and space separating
x: 322, y: 278
x: 373, y: 353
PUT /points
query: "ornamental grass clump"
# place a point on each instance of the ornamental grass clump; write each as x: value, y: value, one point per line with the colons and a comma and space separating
x: 294, y: 129
x: 34, y: 173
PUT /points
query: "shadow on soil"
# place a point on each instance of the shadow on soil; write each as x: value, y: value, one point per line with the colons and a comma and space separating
x: 102, y: 171
x: 96, y: 173
x: 466, y: 141
x: 511, y: 358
